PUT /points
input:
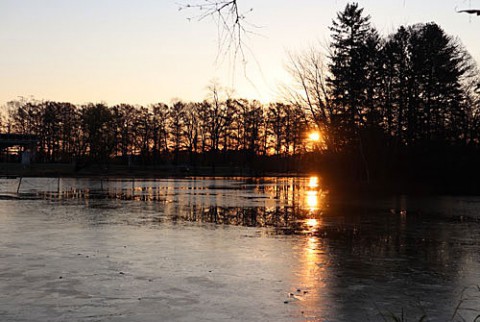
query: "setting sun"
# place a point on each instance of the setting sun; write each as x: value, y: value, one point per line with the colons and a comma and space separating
x: 314, y: 136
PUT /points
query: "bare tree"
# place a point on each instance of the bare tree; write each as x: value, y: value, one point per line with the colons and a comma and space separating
x: 176, y: 127
x: 143, y: 131
x: 232, y: 25
x: 191, y: 129
x: 218, y: 117
x: 123, y: 127
x: 161, y: 116
x: 310, y: 91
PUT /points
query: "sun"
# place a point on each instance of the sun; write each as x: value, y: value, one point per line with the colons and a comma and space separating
x: 314, y: 136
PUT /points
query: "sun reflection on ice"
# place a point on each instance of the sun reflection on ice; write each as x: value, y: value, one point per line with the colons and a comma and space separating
x: 313, y: 182
x: 311, y: 287
x: 312, y: 223
x: 312, y: 200
x: 313, y: 195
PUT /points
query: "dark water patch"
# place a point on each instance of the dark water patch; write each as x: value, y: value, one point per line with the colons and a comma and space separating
x: 256, y: 197
x: 218, y: 187
x: 105, y: 206
x: 464, y: 219
x: 9, y: 197
x: 19, y: 196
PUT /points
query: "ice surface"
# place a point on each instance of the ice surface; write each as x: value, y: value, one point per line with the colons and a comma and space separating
x: 239, y: 250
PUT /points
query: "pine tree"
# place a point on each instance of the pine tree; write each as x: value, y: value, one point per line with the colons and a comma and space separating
x: 352, y: 41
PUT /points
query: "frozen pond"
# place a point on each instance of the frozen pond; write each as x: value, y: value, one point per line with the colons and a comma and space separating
x: 269, y: 249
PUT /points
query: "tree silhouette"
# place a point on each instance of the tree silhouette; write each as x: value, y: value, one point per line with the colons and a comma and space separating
x: 231, y: 23
x: 96, y: 121
x: 123, y: 122
x: 351, y: 32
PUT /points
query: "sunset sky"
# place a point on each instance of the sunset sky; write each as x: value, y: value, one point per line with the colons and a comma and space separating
x: 146, y: 51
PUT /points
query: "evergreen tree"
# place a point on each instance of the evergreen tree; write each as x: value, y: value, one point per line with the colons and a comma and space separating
x: 352, y: 35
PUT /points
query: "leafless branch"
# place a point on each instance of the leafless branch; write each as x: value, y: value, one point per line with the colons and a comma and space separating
x: 232, y: 26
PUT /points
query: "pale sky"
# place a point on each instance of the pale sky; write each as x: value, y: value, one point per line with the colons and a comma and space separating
x: 146, y: 51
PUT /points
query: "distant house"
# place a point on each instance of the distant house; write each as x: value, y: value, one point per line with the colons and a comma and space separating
x: 18, y: 147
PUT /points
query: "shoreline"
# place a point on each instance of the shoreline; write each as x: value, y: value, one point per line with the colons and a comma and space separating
x: 117, y: 171
x: 335, y: 185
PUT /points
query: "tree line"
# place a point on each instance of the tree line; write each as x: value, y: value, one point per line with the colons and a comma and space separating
x: 216, y: 129
x: 404, y: 105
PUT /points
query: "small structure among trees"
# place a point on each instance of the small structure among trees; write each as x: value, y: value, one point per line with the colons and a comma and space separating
x: 218, y: 131
x: 18, y: 146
